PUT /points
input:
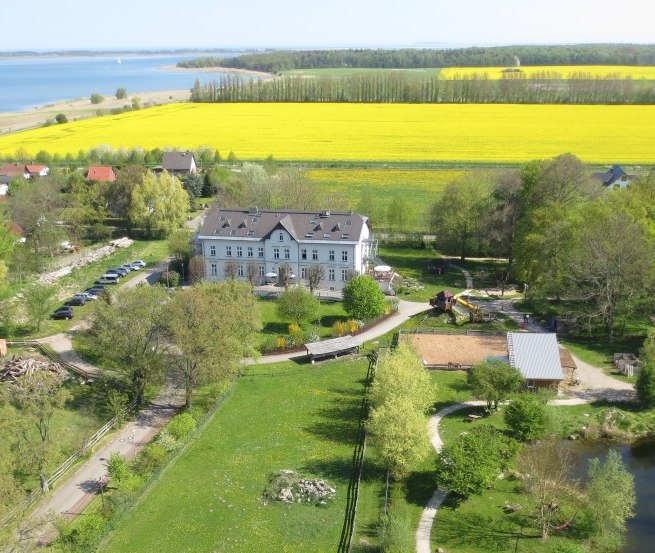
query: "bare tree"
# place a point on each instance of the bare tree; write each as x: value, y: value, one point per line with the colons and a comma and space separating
x: 315, y: 275
x: 252, y: 273
x: 196, y: 269
x: 285, y: 273
x: 231, y: 269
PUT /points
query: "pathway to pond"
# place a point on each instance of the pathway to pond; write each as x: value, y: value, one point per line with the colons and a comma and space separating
x: 601, y: 386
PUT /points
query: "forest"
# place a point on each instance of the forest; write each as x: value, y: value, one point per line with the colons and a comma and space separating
x: 410, y: 58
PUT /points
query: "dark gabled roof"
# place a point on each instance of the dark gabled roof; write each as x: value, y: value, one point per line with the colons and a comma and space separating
x: 536, y: 355
x: 301, y: 225
x: 178, y: 161
x: 614, y: 173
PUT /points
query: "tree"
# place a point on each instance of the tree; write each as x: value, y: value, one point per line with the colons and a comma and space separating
x: 61, y: 118
x: 457, y: 216
x: 401, y: 374
x: 315, y: 275
x: 398, y: 214
x: 121, y: 93
x: 298, y: 305
x: 39, y: 301
x: 38, y: 396
x: 397, y: 430
x: 645, y: 386
x: 546, y: 468
x: 130, y: 332
x: 136, y: 103
x: 119, y: 194
x: 252, y: 273
x: 471, y: 463
x: 196, y: 269
x: 494, y: 381
x: 612, y: 266
x: 231, y: 269
x: 159, y: 204
x: 193, y: 184
x: 213, y: 326
x: 97, y: 98
x: 503, y: 215
x: 527, y: 416
x: 363, y: 299
x: 180, y: 247
x: 232, y: 158
x: 611, y: 499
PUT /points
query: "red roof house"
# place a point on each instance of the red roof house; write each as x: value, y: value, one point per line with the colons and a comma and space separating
x: 14, y: 170
x: 101, y: 173
x: 37, y: 170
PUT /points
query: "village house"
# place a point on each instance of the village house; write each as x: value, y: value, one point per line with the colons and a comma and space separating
x: 179, y: 163
x: 14, y: 170
x: 615, y: 177
x: 37, y: 170
x: 101, y: 173
x: 278, y: 246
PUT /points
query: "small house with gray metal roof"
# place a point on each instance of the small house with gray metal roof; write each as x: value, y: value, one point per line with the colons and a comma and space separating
x: 279, y: 246
x: 537, y: 356
x: 179, y: 163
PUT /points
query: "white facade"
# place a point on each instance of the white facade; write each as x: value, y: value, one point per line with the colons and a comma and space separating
x: 269, y: 254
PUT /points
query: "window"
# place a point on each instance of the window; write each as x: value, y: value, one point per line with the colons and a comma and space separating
x: 344, y: 255
x: 344, y: 275
x: 214, y: 269
x: 287, y: 253
x: 212, y: 250
x: 239, y: 251
x: 228, y: 251
x: 260, y: 251
x: 303, y: 272
x: 249, y: 251
x: 280, y: 237
x: 276, y: 253
x: 315, y: 255
x: 240, y: 270
x: 330, y: 274
x: 303, y: 254
x: 331, y: 256
x: 261, y: 270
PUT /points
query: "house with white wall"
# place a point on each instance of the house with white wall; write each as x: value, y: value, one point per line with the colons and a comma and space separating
x: 270, y: 243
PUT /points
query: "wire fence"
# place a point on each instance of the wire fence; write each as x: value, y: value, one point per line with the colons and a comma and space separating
x: 352, y: 494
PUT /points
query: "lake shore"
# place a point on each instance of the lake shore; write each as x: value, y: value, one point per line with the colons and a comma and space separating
x: 218, y: 69
x: 82, y: 108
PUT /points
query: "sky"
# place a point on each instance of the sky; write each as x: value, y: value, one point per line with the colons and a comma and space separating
x: 142, y: 24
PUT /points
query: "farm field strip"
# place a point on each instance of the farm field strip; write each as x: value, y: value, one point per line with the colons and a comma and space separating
x: 564, y: 71
x: 366, y: 132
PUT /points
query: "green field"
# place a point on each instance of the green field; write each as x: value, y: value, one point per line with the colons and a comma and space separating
x: 342, y: 72
x: 284, y: 416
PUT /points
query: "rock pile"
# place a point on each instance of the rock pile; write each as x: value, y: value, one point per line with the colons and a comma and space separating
x: 290, y: 487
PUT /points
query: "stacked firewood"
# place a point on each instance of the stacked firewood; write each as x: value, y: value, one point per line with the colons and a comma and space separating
x: 18, y: 367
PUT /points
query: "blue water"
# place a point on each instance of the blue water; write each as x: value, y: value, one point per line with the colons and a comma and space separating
x: 30, y: 82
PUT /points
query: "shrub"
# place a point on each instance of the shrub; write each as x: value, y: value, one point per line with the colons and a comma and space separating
x: 293, y: 328
x: 181, y: 426
x: 281, y: 342
x: 170, y: 278
x: 645, y: 387
x: 339, y: 328
x: 99, y: 232
x: 61, y: 118
x: 97, y: 98
x: 396, y: 527
x: 121, y: 93
x: 149, y: 459
x: 117, y: 467
x: 82, y: 534
x: 167, y: 441
x: 298, y: 304
x: 363, y: 299
x: 353, y: 326
x: 527, y: 416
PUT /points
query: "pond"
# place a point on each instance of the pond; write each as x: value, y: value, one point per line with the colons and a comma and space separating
x: 640, y: 461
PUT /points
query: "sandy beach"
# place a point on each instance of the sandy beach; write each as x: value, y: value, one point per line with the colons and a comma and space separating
x: 217, y: 69
x: 82, y: 108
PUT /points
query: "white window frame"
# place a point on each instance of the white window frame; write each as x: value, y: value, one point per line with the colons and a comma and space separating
x: 276, y: 253
x: 303, y: 254
x: 280, y: 237
x: 213, y: 269
x: 250, y: 252
x: 331, y: 255
x: 262, y: 270
x: 260, y: 251
x: 344, y: 275
x: 287, y: 253
x: 344, y: 255
x: 212, y: 250
x: 314, y: 255
x: 239, y: 251
x: 331, y: 273
x: 303, y: 272
x: 228, y: 251
x: 240, y: 270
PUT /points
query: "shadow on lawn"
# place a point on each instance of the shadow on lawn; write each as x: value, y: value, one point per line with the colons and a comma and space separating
x: 338, y: 421
x: 486, y: 532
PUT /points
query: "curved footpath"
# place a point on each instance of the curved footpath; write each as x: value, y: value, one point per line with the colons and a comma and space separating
x: 599, y: 386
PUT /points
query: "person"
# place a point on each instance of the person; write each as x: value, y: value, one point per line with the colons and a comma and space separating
x: 526, y: 318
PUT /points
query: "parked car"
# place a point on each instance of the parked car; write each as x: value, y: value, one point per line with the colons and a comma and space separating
x: 62, y: 313
x: 109, y: 278
x: 76, y: 301
x: 86, y: 296
x: 136, y: 267
x: 139, y: 262
x: 117, y: 271
x: 96, y: 289
x: 127, y: 267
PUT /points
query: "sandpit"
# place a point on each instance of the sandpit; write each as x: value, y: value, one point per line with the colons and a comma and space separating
x: 457, y: 350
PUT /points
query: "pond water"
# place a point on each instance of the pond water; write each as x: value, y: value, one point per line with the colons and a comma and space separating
x: 640, y: 461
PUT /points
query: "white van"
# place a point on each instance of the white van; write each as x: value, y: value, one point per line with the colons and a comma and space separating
x: 108, y: 279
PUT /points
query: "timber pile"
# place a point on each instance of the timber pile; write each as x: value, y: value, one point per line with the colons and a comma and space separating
x: 17, y: 367
x: 90, y: 257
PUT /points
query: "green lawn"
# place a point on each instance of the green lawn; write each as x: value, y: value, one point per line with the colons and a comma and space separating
x: 274, y: 326
x: 284, y: 416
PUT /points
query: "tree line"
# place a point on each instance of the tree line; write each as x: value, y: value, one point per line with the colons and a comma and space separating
x: 398, y: 87
x: 565, y: 236
x: 411, y: 58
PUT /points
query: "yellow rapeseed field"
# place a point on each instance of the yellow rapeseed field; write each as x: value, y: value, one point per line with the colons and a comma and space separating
x: 371, y: 132
x: 563, y: 71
